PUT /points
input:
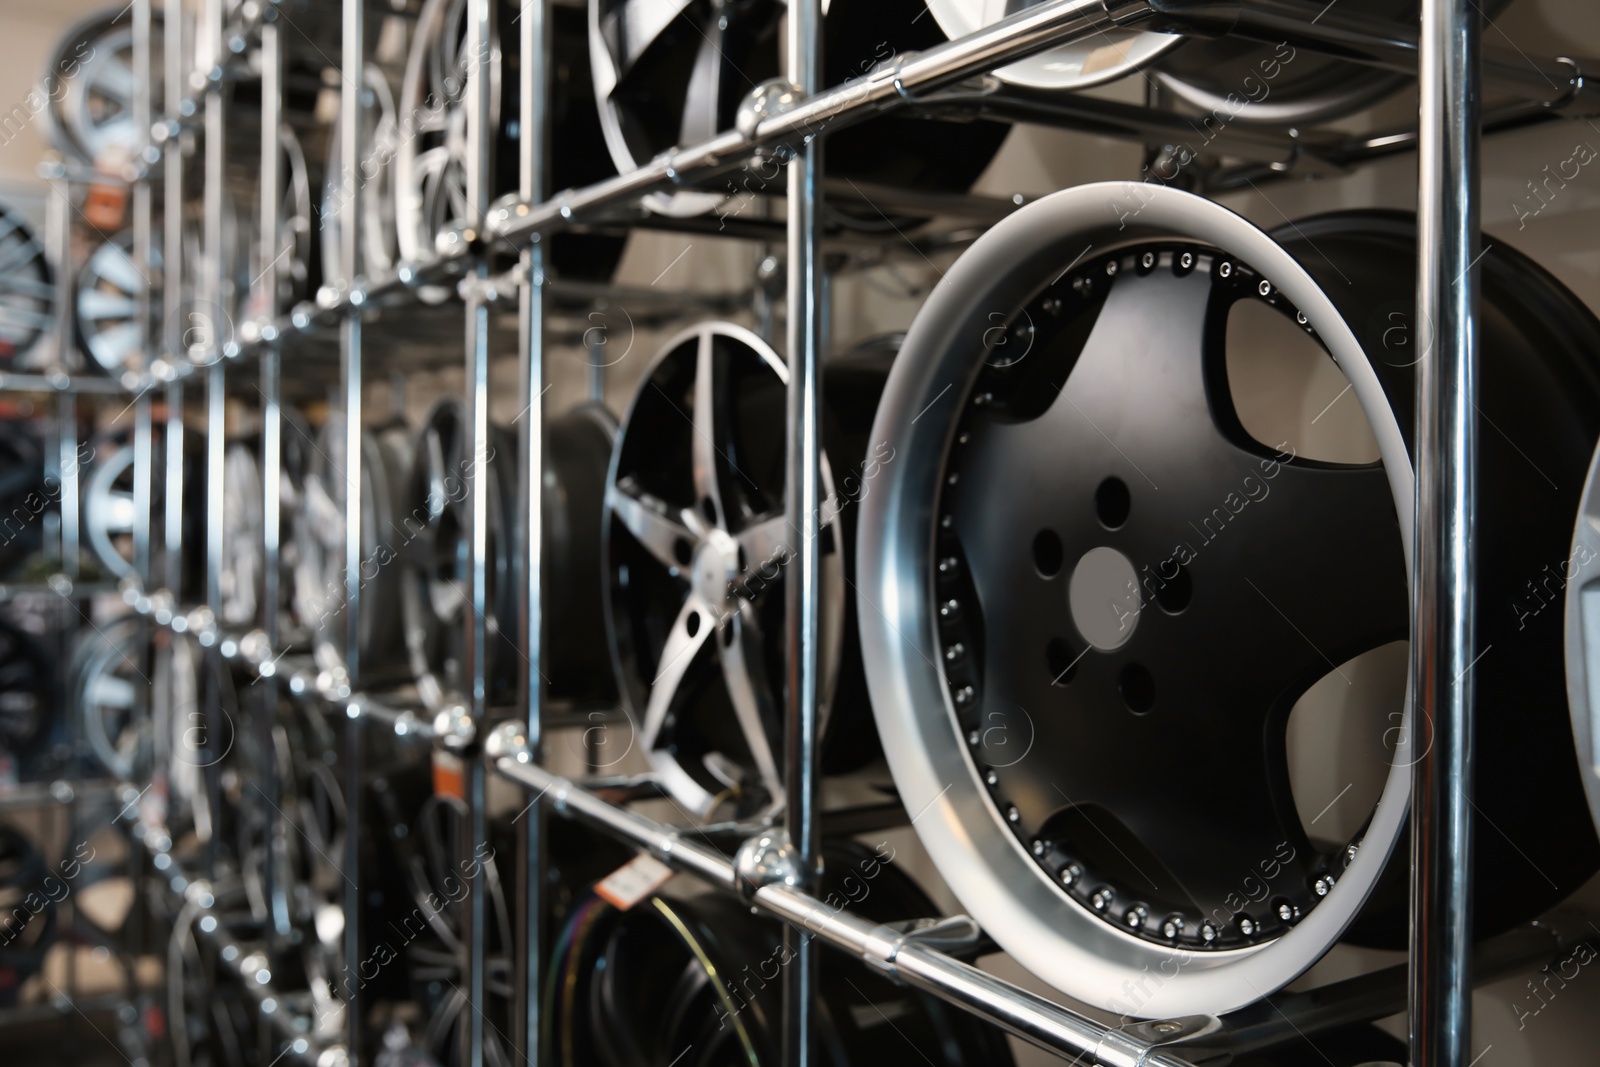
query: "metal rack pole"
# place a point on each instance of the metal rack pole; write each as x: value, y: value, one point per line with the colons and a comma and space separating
x: 479, y: 188
x: 353, y: 60
x: 533, y: 187
x: 1446, y: 495
x: 803, y: 484
x: 265, y: 300
x: 213, y: 287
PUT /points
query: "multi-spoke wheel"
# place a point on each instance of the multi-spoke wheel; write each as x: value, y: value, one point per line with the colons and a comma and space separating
x: 673, y: 73
x: 436, y: 590
x: 430, y: 166
x: 109, y: 284
x: 690, y: 977
x: 1114, y: 579
x: 696, y: 549
x: 103, y: 672
x: 109, y: 514
x: 90, y: 84
x: 319, y: 561
x: 28, y: 693
x: 27, y: 912
x: 25, y: 495
x: 374, y: 179
x: 442, y: 876
x: 27, y: 292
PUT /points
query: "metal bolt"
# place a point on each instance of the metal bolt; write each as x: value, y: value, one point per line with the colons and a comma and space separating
x: 1225, y: 270
x: 1285, y: 911
x: 1147, y: 260
x: 1264, y: 287
x: 1071, y: 873
x: 1012, y: 814
x: 1172, y: 927
x: 1102, y: 898
x: 1111, y: 267
x: 991, y: 778
x: 1323, y: 886
x: 954, y: 653
x: 1247, y: 926
x: 1208, y: 933
x: 1186, y: 261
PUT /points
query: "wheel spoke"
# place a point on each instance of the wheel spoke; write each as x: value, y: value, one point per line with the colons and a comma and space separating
x: 700, y: 103
x: 768, y: 541
x: 688, y: 634
x: 646, y: 519
x: 707, y: 423
x: 744, y: 671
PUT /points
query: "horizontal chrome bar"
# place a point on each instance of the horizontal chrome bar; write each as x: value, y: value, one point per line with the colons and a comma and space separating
x: 1025, y: 1014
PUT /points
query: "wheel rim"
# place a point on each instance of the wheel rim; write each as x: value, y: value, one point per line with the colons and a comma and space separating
x: 430, y: 167
x: 25, y: 691
x: 380, y: 140
x: 1104, y: 57
x: 27, y: 295
x: 1297, y: 89
x: 242, y: 570
x: 1047, y: 929
x: 103, y: 672
x: 674, y: 73
x: 437, y: 589
x: 93, y: 119
x: 676, y: 529
x: 109, y: 287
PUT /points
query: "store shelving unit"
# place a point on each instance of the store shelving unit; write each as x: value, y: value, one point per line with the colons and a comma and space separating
x: 946, y: 78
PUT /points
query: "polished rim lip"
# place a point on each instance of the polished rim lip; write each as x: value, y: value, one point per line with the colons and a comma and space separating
x: 980, y: 858
x: 957, y: 19
x: 674, y: 778
x: 1369, y: 87
x: 1582, y: 696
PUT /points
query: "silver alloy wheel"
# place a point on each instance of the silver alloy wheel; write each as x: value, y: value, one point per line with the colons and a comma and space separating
x: 104, y: 666
x: 27, y: 293
x: 375, y: 177
x: 1102, y: 58
x: 242, y: 524
x: 1583, y: 635
x: 108, y: 306
x: 90, y: 83
x: 700, y: 545
x: 430, y: 182
x: 991, y: 873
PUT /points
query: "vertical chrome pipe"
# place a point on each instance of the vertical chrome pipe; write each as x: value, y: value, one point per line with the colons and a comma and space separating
x: 479, y: 189
x: 1447, y: 455
x: 58, y: 235
x: 67, y: 425
x: 533, y: 172
x: 265, y: 300
x: 214, y: 290
x: 168, y: 340
x: 803, y: 592
x: 143, y: 220
x: 352, y: 86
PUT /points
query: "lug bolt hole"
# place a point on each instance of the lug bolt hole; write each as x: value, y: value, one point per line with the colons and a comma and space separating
x: 1048, y: 554
x: 683, y: 552
x: 1112, y: 502
x: 1062, y: 662
x: 1174, y: 593
x: 692, y: 624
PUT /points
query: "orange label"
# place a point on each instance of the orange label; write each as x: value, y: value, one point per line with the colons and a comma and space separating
x: 106, y: 206
x: 449, y: 776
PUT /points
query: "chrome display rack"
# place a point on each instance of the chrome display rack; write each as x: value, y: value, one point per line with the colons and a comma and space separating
x: 1450, y: 65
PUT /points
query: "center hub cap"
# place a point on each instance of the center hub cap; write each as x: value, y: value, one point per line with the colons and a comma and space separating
x: 1104, y: 597
x: 716, y: 564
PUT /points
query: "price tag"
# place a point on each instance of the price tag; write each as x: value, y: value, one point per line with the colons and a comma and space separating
x: 633, y: 881
x: 449, y: 776
x: 106, y: 205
